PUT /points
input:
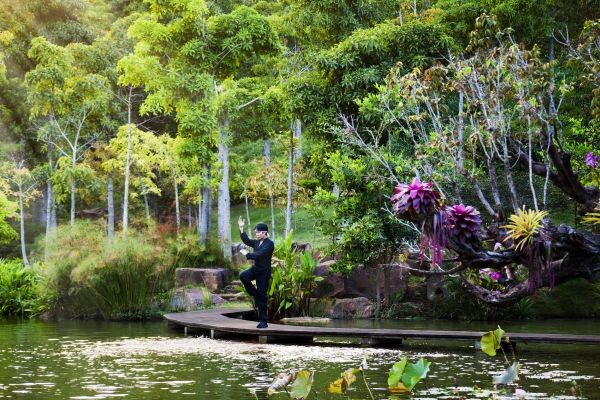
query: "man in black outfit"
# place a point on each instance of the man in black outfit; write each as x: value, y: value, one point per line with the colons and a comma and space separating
x: 260, y: 271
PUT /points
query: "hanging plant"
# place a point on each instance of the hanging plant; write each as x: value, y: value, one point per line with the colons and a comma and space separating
x: 463, y: 223
x: 415, y: 201
x: 420, y: 203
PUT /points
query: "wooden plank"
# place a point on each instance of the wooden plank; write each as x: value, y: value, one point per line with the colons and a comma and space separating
x: 229, y: 321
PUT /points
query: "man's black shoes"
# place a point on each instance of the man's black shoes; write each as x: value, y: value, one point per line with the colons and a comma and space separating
x: 262, y: 325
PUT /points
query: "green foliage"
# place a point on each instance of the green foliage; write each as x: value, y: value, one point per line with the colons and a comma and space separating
x: 19, y: 293
x: 578, y: 298
x: 88, y: 276
x: 292, y: 280
x: 187, y: 253
x: 491, y: 341
x: 361, y: 230
x: 404, y: 376
x: 301, y: 385
x: 8, y: 209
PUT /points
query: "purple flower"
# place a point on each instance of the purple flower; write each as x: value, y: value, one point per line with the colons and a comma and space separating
x: 495, y: 275
x: 591, y: 160
x: 414, y: 198
x: 463, y: 223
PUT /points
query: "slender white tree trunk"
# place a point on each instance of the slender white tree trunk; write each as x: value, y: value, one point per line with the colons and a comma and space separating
x: 290, y: 181
x: 189, y: 217
x: 247, y: 210
x: 267, y: 153
x: 49, y: 213
x: 224, y: 202
x: 204, y: 210
x: 127, y: 166
x: 177, y: 217
x: 73, y: 164
x: 111, y: 209
x: 146, y: 206
x: 22, y: 227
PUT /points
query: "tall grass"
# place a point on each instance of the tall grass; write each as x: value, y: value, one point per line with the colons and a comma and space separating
x: 18, y: 289
x: 88, y: 276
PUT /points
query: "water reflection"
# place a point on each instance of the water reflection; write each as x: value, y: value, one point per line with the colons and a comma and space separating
x: 100, y: 360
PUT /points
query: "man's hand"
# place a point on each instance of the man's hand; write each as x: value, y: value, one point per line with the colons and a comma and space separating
x: 241, y: 224
x: 244, y: 251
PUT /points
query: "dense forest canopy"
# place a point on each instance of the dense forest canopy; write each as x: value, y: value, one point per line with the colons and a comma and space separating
x: 141, y: 109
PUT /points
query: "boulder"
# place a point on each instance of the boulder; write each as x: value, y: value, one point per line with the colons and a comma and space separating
x: 188, y: 299
x: 214, y: 279
x: 361, y: 283
x: 358, y: 307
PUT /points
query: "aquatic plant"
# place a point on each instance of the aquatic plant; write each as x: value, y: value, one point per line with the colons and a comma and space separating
x: 490, y: 343
x: 300, y: 383
x: 404, y: 375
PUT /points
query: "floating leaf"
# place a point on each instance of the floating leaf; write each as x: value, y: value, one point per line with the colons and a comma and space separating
x: 302, y: 385
x: 415, y: 372
x: 509, y: 376
x: 340, y: 385
x: 395, y: 374
x: 490, y: 342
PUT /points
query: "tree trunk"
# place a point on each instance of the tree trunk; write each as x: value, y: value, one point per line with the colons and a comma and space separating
x: 146, y: 205
x: 189, y: 217
x: 247, y: 211
x: 73, y: 164
x: 127, y: 166
x: 298, y: 139
x: 22, y: 228
x: 224, y: 201
x: 290, y: 181
x: 50, y: 212
x: 177, y: 217
x: 267, y: 153
x: 111, y: 209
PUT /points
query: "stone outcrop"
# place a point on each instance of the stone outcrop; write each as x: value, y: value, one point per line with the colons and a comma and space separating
x: 359, y: 307
x: 188, y: 299
x: 214, y: 279
x: 362, y: 282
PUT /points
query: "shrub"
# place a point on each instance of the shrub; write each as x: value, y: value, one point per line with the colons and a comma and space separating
x: 88, y: 276
x: 187, y: 253
x: 18, y: 289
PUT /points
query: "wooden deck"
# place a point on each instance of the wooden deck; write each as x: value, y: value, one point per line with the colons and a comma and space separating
x: 230, y: 323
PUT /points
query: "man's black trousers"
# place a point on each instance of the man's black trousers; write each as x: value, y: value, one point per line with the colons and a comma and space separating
x: 259, y: 292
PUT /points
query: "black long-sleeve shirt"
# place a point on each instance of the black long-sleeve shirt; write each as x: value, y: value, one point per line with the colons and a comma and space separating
x: 262, y: 252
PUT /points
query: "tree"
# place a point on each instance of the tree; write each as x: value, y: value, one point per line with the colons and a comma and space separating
x: 22, y: 185
x: 467, y: 115
x: 71, y: 101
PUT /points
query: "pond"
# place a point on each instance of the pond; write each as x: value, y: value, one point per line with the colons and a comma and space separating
x: 104, y: 360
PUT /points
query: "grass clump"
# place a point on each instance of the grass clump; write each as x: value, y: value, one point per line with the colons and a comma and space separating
x: 19, y: 294
x: 88, y: 276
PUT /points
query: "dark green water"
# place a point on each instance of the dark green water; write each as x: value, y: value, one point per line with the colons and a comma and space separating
x: 105, y: 360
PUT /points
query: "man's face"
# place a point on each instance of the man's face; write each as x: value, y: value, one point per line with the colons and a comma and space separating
x: 260, y: 235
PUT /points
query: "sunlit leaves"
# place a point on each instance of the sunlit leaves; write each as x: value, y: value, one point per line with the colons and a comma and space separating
x: 340, y: 385
x: 491, y: 341
x: 404, y: 375
x: 302, y: 385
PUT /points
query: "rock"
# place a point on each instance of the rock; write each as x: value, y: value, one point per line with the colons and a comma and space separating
x: 333, y: 283
x: 214, y: 279
x: 188, y: 299
x: 237, y: 258
x: 359, y: 307
x: 361, y: 283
